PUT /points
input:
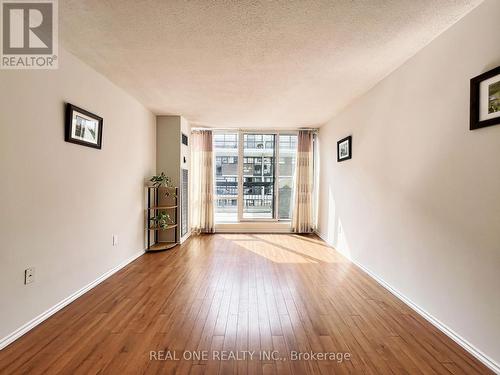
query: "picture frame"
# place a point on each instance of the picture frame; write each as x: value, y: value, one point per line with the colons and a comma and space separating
x: 344, y: 149
x: 485, y: 99
x: 83, y: 127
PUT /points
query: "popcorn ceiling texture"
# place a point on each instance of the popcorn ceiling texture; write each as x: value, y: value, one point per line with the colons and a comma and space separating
x: 251, y: 63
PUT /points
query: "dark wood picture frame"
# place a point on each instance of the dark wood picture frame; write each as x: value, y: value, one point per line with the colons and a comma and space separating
x: 349, y: 142
x: 475, y: 101
x: 70, y: 110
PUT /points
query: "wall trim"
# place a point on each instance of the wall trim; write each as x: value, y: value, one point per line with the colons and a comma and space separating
x: 479, y: 355
x: 7, y: 340
x: 186, y: 237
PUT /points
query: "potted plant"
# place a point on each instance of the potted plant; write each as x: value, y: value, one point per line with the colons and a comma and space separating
x: 162, y: 220
x: 163, y: 181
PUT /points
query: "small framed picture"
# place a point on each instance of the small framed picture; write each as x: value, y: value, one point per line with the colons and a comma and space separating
x: 82, y: 127
x: 344, y: 149
x: 485, y: 99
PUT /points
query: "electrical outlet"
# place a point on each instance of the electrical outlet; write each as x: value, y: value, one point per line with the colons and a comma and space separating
x: 29, y: 275
x: 115, y: 239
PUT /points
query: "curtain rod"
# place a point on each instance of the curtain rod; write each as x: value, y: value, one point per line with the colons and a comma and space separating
x: 255, y: 130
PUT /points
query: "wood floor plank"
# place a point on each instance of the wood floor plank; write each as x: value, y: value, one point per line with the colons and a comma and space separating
x: 225, y: 296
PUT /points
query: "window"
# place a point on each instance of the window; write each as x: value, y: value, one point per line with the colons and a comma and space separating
x: 226, y: 141
x: 286, y: 171
x: 226, y: 177
x: 258, y: 194
x: 266, y: 173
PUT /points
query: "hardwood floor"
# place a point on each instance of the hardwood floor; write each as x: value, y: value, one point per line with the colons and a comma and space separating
x: 224, y: 294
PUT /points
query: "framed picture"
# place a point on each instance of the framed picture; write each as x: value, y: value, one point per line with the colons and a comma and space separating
x: 82, y: 127
x: 485, y: 99
x: 344, y: 149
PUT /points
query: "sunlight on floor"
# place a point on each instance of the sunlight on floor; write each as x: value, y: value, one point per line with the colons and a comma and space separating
x: 274, y: 253
x: 279, y: 249
x: 236, y: 236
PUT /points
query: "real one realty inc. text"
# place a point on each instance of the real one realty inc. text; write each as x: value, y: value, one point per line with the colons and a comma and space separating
x: 246, y: 355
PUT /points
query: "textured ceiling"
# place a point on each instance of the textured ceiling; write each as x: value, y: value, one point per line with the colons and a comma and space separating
x: 251, y: 63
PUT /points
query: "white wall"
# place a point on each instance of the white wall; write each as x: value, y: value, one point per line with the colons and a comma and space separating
x: 168, y: 159
x: 419, y: 203
x: 60, y: 202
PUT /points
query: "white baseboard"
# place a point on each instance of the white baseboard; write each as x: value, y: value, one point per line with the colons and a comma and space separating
x: 40, y: 318
x: 185, y: 237
x: 486, y: 360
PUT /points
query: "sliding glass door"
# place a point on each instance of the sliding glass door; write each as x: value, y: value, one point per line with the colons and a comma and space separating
x: 258, y: 176
x: 254, y: 176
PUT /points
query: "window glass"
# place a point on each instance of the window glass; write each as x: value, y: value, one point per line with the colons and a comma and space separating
x: 259, y: 199
x: 286, y: 165
x: 226, y: 177
x: 258, y: 176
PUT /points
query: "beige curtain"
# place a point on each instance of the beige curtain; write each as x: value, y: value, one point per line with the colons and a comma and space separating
x: 302, y: 219
x: 202, y: 184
